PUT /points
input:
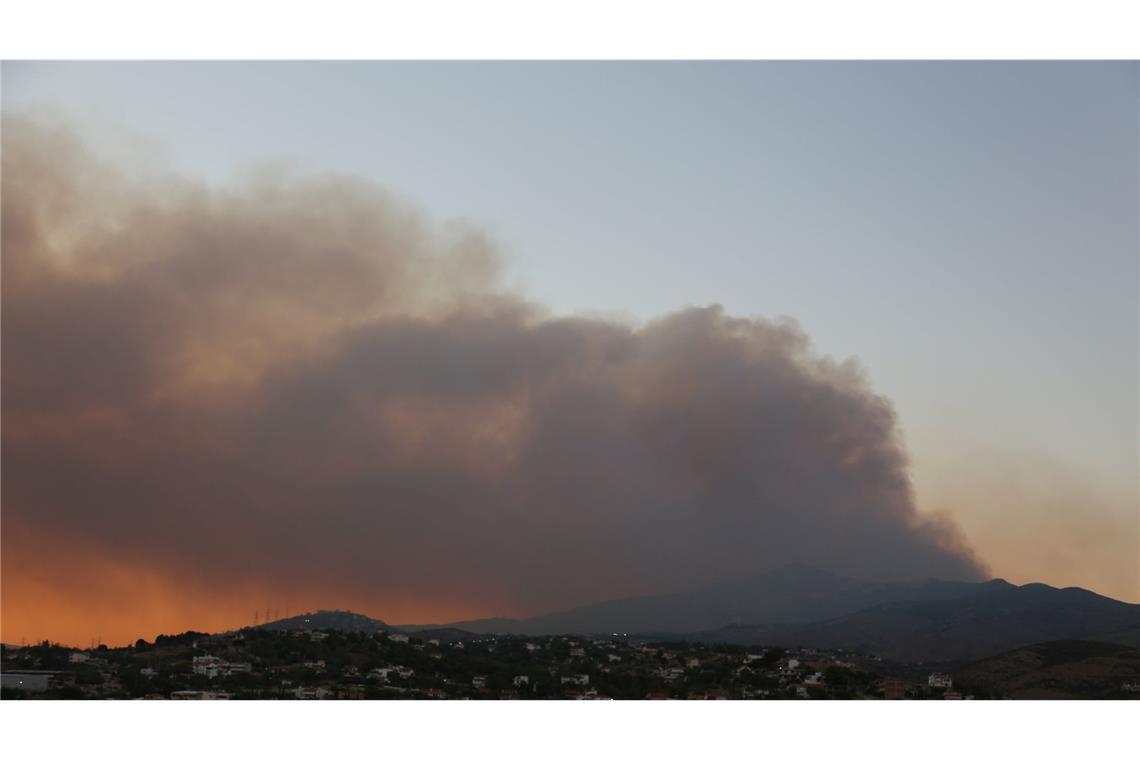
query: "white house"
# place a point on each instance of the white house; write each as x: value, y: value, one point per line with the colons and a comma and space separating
x: 78, y: 657
x: 521, y: 681
x: 581, y: 679
x: 939, y: 681
x: 398, y: 637
x: 208, y: 665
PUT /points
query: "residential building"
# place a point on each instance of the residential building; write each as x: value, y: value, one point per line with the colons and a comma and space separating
x: 939, y: 681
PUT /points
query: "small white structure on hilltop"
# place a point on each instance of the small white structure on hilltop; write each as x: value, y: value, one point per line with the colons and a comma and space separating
x: 78, y: 657
x: 398, y: 637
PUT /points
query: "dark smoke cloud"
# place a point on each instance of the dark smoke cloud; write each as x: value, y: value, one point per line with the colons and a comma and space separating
x: 298, y: 381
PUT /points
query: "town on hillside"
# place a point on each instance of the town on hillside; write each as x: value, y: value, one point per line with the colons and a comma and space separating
x: 258, y: 663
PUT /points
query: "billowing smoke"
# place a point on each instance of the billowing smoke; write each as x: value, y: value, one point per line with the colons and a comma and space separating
x: 299, y: 383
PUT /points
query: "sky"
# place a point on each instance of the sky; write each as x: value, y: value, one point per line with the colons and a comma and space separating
x: 648, y: 245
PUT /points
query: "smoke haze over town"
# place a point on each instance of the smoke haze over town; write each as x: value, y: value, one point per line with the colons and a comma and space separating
x: 299, y: 388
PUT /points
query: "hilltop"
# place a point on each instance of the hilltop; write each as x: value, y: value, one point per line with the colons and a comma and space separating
x: 337, y: 620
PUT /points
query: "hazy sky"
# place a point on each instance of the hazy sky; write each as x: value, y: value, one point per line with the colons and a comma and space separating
x: 968, y: 231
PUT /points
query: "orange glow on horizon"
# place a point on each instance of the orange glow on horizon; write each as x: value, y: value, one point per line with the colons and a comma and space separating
x: 118, y: 604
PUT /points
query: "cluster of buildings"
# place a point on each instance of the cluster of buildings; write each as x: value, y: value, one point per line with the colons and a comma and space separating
x: 215, y: 667
x: 264, y: 664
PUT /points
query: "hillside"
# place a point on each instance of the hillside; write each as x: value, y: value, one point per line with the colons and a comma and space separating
x: 1056, y: 670
x: 448, y: 635
x: 994, y: 617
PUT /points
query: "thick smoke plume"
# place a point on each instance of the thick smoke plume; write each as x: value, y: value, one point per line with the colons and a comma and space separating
x: 298, y: 388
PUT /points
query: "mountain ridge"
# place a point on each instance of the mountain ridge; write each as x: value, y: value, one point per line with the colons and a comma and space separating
x: 926, y: 620
x: 929, y: 620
